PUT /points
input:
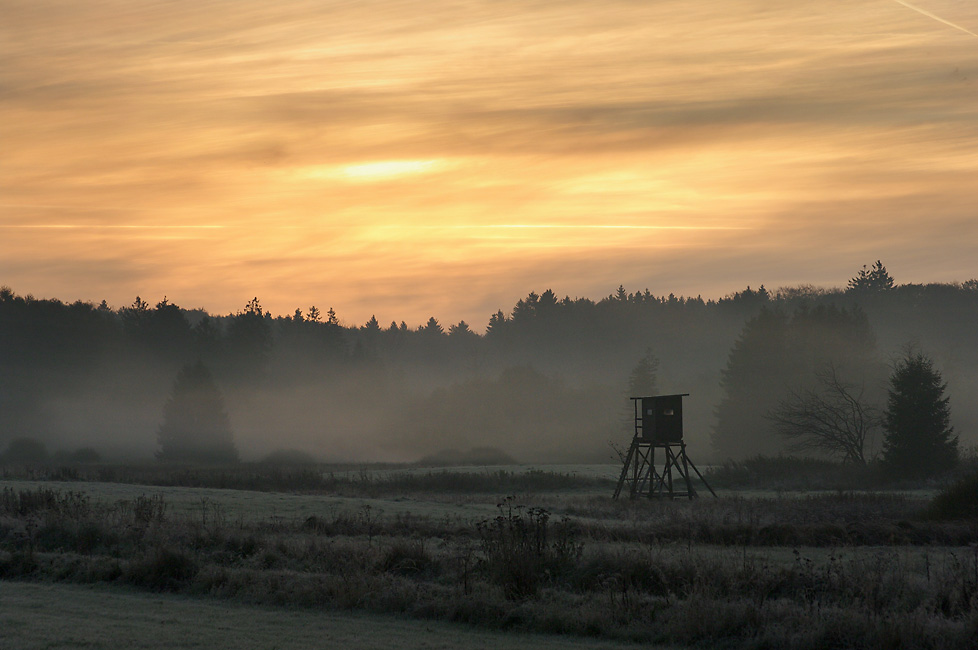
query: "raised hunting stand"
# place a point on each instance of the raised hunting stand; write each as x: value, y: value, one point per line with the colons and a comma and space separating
x: 658, y: 425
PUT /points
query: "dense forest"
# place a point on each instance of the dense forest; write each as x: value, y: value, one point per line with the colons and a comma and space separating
x: 547, y: 382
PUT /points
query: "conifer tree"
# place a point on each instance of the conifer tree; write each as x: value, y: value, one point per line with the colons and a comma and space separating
x: 642, y: 380
x: 249, y: 341
x: 919, y: 440
x: 752, y: 382
x: 195, y: 425
x: 871, y: 280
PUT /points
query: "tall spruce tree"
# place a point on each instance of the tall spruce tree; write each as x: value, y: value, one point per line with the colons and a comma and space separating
x: 195, y: 425
x: 752, y: 382
x: 642, y: 380
x: 249, y: 343
x: 919, y: 440
x: 776, y: 354
x: 871, y: 280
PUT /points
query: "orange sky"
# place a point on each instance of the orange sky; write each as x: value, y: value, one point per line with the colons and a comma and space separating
x: 410, y: 159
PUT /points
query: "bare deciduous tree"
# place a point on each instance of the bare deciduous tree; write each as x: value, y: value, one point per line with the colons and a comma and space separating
x: 832, y: 417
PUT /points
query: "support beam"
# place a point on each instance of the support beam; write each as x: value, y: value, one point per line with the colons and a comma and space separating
x: 643, y: 478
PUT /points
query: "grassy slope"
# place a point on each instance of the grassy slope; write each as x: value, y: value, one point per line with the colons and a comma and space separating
x: 251, y: 506
x: 801, y: 570
x: 56, y: 616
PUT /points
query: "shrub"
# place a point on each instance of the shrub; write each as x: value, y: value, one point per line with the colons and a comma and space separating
x: 164, y: 570
x: 25, y: 450
x: 288, y: 457
x: 622, y: 572
x: 788, y: 473
x: 957, y: 501
x: 86, y: 455
x: 195, y: 425
x: 406, y: 558
x: 146, y: 510
x: 27, y: 502
x: 17, y: 564
x: 520, y: 549
x: 477, y: 456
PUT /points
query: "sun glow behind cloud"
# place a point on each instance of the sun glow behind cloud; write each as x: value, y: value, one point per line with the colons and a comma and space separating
x: 387, y: 169
x: 379, y: 158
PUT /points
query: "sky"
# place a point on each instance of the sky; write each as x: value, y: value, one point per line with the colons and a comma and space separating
x: 408, y: 159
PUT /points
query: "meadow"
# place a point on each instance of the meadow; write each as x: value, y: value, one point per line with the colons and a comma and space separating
x: 496, y: 551
x: 46, y: 616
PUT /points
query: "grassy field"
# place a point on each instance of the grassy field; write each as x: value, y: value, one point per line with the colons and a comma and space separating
x: 37, y: 616
x: 248, y: 506
x: 506, y: 552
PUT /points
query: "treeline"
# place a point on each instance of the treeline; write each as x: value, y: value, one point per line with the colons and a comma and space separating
x: 548, y: 380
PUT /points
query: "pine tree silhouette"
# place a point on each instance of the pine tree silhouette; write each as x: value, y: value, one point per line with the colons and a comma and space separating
x: 195, y: 425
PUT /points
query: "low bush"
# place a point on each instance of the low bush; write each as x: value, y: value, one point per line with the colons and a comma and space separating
x: 957, y: 501
x: 43, y: 500
x: 25, y: 451
x: 162, y: 569
x: 19, y: 564
x: 407, y: 558
x: 288, y: 471
x: 521, y: 549
x: 790, y: 473
x: 288, y: 457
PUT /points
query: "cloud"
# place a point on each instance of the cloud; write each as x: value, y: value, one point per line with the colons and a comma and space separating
x: 807, y: 128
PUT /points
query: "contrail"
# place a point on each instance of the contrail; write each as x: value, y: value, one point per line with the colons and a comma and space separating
x: 937, y: 18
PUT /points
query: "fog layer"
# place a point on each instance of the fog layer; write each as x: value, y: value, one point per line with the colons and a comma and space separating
x: 548, y: 382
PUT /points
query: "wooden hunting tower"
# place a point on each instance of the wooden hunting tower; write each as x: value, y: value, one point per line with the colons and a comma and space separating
x: 658, y: 426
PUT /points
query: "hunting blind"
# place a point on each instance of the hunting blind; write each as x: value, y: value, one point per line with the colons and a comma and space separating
x: 658, y: 426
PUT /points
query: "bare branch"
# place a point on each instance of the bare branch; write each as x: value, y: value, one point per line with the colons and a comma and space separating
x: 831, y: 418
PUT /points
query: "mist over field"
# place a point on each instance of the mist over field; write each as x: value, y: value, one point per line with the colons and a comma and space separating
x: 507, y: 163
x: 548, y: 381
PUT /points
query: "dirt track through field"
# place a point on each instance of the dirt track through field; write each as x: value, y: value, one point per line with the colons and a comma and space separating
x: 56, y: 616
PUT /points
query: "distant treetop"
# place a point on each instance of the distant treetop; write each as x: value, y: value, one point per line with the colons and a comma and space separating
x: 871, y: 280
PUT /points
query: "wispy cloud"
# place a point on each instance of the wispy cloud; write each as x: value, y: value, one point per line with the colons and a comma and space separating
x: 357, y: 152
x: 117, y: 226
